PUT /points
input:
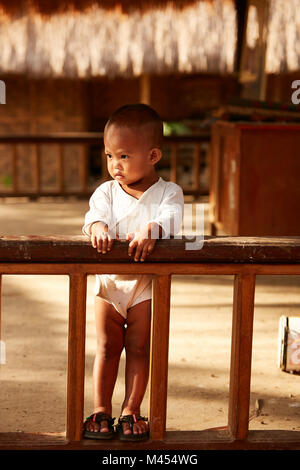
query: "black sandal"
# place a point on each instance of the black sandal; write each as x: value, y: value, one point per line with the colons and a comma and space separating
x: 98, y: 418
x: 131, y: 419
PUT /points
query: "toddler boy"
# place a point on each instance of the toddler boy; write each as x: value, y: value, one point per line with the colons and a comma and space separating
x: 139, y: 206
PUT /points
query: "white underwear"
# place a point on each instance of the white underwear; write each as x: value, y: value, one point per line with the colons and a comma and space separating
x: 123, y: 291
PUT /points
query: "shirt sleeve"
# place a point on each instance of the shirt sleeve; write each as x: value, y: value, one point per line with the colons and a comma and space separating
x: 100, y: 209
x: 170, y: 211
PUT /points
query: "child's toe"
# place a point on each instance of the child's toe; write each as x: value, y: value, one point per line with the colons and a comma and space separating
x: 126, y: 428
x: 104, y: 427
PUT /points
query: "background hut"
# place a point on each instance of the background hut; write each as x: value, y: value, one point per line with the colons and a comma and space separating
x: 68, y: 64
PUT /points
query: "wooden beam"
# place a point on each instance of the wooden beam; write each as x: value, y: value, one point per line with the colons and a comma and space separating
x: 216, y: 250
x: 76, y: 356
x: 60, y: 168
x: 252, y: 69
x: 83, y: 167
x: 174, y: 162
x: 174, y: 440
x: 241, y: 352
x: 241, y: 9
x: 37, y: 167
x: 15, y: 168
x: 159, y: 356
x: 145, y: 89
x: 0, y: 310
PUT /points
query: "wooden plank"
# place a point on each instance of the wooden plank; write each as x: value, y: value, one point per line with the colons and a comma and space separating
x: 145, y: 89
x: 104, y: 171
x: 252, y: 65
x: 15, y: 167
x: 174, y: 158
x: 45, y: 193
x: 241, y: 351
x: 159, y: 356
x: 174, y: 440
x: 149, y: 268
x: 79, y: 194
x: 88, y: 137
x: 60, y: 169
x: 0, y: 307
x: 78, y: 249
x: 76, y: 356
x: 37, y: 168
x: 83, y: 167
x: 196, y: 167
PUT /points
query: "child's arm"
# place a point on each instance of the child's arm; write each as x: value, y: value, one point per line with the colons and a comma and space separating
x: 167, y: 222
x: 97, y: 219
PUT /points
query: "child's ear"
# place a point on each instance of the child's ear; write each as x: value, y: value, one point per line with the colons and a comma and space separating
x: 155, y: 155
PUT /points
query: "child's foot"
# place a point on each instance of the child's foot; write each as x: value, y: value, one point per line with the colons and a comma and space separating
x: 132, y: 427
x: 99, y: 426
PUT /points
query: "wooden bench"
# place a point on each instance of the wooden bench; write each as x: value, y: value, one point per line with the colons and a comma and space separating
x: 242, y: 257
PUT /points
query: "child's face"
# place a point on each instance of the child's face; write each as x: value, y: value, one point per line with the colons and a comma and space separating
x: 129, y: 158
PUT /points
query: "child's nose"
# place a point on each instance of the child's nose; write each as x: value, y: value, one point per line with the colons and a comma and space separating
x: 117, y: 165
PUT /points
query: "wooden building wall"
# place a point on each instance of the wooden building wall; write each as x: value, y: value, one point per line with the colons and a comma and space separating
x: 175, y: 97
x: 47, y: 105
x: 36, y: 106
x: 39, y: 106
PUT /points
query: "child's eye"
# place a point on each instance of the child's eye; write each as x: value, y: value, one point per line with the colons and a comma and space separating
x: 124, y: 156
x: 108, y: 155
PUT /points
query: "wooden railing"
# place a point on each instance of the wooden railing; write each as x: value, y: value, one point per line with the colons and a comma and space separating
x: 83, y: 140
x: 242, y: 257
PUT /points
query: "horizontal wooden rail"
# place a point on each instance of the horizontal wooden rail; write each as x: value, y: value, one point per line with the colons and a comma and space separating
x: 87, y: 137
x: 239, y: 256
x: 83, y: 140
x: 220, y: 249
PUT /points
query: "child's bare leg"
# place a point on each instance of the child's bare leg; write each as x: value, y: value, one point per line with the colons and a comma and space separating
x: 137, y: 346
x: 110, y: 342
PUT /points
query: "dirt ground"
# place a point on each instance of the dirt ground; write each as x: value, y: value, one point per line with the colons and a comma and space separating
x: 35, y: 324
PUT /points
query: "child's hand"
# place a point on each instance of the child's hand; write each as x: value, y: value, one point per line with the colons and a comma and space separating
x: 141, y: 241
x: 100, y: 237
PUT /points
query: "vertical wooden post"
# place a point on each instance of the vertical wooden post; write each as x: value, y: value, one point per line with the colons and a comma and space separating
x: 145, y: 89
x: 252, y: 72
x: 37, y: 168
x: 76, y: 356
x: 196, y: 169
x: 173, y: 170
x: 104, y: 171
x: 159, y: 356
x: 83, y: 168
x: 2, y: 345
x: 15, y: 167
x: 60, y: 169
x: 0, y: 304
x: 241, y: 352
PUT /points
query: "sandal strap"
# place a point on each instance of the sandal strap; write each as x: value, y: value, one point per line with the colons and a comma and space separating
x: 131, y: 419
x: 99, y: 417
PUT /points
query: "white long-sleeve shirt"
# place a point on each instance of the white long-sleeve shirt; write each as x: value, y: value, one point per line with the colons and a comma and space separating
x: 162, y: 203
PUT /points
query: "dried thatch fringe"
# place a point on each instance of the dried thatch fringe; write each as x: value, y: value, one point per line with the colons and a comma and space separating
x: 50, y: 7
x: 97, y: 42
x: 283, y: 46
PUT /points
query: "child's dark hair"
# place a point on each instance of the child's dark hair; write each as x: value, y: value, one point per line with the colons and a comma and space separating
x: 138, y: 115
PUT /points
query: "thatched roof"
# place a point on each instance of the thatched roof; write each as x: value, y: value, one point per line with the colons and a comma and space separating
x: 283, y: 45
x: 110, y: 38
x: 50, y: 7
